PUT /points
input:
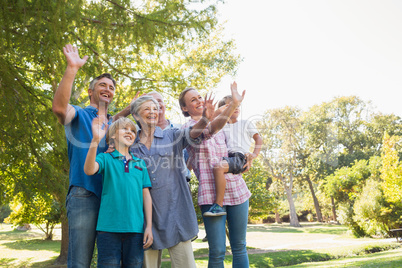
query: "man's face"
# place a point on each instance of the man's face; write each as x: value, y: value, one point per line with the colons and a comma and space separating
x: 162, y: 105
x: 103, y: 91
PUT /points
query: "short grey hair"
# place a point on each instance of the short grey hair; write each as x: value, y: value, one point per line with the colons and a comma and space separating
x: 156, y: 92
x: 136, y: 105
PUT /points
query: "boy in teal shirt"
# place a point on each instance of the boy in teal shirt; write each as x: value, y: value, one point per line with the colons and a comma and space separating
x: 121, y: 237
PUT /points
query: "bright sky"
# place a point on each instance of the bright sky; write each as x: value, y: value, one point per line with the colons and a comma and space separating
x: 302, y: 53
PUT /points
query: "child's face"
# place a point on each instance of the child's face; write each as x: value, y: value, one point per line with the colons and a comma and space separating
x: 124, y: 136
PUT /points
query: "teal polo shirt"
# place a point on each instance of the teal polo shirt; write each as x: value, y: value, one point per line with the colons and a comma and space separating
x: 121, y: 209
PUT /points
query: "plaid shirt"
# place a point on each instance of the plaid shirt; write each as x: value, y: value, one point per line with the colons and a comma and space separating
x: 203, y: 157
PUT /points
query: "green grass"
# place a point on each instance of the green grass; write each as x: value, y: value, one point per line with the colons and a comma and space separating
x: 312, y: 257
x: 21, y: 249
x: 34, y: 244
x: 386, y: 259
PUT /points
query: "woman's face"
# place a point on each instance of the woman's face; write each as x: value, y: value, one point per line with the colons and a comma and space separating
x: 194, y: 103
x: 148, y: 113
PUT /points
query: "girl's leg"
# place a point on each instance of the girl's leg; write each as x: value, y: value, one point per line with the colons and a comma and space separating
x: 215, y: 229
x: 237, y: 224
x: 109, y: 249
x: 132, y: 250
x: 182, y: 255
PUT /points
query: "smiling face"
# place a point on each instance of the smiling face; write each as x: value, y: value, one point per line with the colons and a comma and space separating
x: 193, y: 103
x: 103, y: 91
x: 162, y: 106
x: 124, y: 136
x: 148, y: 114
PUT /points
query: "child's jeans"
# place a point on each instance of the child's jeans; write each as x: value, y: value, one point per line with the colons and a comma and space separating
x: 120, y: 249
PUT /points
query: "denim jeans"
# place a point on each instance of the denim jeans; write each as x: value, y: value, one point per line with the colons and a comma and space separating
x: 82, y: 213
x: 120, y: 250
x: 237, y: 217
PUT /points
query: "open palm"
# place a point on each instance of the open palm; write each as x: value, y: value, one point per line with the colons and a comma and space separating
x: 99, y: 128
x: 72, y: 56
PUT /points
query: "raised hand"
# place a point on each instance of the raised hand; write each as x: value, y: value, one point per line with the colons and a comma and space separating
x: 237, y: 98
x: 99, y: 128
x: 73, y: 59
x: 209, y: 107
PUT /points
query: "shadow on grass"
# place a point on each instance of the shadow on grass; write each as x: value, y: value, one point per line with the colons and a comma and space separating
x: 308, y: 228
x: 326, y: 230
x: 274, y: 229
x: 34, y: 244
x: 18, y: 235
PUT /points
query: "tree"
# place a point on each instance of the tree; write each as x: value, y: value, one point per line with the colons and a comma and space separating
x: 38, y: 210
x: 262, y: 201
x: 159, y: 45
x: 391, y: 171
x: 280, y: 130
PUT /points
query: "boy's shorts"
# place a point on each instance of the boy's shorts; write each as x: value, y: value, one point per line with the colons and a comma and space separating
x: 236, y: 162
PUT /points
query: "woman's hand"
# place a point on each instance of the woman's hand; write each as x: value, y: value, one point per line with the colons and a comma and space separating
x: 209, y: 107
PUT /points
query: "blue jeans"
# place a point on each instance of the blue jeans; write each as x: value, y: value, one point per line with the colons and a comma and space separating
x: 237, y: 217
x: 82, y: 213
x: 120, y: 250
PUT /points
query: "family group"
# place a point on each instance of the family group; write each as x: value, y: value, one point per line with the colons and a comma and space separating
x: 129, y: 188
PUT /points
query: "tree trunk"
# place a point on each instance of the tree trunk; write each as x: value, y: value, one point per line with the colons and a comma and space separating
x: 277, y: 218
x: 62, y: 259
x: 333, y: 209
x: 316, y: 204
x: 294, y: 220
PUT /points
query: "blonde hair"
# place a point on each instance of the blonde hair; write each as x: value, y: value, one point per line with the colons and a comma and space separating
x: 119, y: 124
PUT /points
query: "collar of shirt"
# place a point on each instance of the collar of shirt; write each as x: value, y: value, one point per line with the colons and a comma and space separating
x: 117, y: 154
x: 157, y: 134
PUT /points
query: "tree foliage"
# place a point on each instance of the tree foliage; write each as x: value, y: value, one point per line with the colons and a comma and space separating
x: 262, y: 200
x: 391, y: 172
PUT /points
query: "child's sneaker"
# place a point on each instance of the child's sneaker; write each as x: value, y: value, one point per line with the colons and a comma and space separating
x: 215, y: 210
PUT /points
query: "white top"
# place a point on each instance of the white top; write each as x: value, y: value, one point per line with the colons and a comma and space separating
x: 239, y: 136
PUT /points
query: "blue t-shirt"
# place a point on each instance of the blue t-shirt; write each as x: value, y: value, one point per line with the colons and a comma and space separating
x: 121, y: 209
x: 79, y: 137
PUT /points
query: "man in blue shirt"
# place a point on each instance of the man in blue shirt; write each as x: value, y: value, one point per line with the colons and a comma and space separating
x: 84, y: 193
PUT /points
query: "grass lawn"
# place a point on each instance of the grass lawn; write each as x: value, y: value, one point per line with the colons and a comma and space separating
x: 277, y: 245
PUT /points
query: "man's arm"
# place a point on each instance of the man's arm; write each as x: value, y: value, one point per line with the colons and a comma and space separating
x: 61, y: 107
x: 126, y: 111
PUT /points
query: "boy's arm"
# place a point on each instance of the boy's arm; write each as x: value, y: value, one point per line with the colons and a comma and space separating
x: 148, y: 237
x: 98, y: 132
x: 219, y: 122
x: 61, y: 107
x: 91, y: 166
x: 257, y: 148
